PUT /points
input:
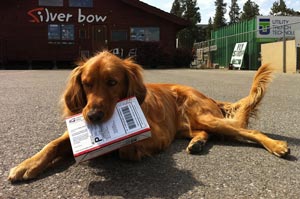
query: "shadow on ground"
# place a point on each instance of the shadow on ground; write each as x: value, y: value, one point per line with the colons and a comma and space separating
x: 152, y: 177
x: 158, y: 176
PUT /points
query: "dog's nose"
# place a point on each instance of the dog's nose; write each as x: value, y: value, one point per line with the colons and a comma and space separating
x: 95, y: 115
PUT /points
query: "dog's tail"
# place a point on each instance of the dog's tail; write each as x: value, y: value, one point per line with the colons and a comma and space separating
x: 245, y: 108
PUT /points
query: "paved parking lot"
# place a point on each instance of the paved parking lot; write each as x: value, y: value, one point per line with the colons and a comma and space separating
x: 30, y: 118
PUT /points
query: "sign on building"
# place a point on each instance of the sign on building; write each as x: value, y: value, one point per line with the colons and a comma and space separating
x: 276, y: 26
x: 238, y: 54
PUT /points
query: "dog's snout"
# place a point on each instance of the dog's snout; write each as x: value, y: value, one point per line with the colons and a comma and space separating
x: 95, y: 115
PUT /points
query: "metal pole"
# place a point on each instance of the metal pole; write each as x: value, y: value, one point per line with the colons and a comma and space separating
x: 209, y: 57
x: 284, y: 50
x: 226, y: 43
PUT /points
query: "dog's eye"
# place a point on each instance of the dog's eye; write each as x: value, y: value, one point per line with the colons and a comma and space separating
x: 111, y: 82
x: 87, y: 85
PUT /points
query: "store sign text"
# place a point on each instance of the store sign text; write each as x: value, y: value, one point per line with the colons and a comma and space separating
x: 277, y: 26
x: 39, y: 15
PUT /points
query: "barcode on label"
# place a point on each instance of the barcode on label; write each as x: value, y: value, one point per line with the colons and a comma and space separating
x: 128, y: 117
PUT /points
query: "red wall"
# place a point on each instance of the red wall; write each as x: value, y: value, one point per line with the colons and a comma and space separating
x: 21, y: 39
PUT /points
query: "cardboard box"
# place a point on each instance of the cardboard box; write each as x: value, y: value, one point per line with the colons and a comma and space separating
x: 127, y: 125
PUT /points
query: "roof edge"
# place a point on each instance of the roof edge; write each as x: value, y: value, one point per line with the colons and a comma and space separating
x: 156, y: 11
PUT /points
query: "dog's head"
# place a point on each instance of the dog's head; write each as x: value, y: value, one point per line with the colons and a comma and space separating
x: 99, y: 83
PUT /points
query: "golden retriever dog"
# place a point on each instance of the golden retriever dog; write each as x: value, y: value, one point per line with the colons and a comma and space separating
x: 172, y: 111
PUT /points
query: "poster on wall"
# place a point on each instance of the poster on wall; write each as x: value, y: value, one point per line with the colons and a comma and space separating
x: 238, y: 55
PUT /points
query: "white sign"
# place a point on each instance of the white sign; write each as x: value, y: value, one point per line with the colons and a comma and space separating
x: 39, y: 15
x: 277, y: 26
x: 210, y: 48
x: 127, y: 125
x: 238, y: 54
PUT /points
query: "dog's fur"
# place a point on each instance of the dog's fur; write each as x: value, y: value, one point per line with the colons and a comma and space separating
x: 171, y: 110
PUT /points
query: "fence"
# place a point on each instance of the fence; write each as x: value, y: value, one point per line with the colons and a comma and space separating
x: 218, y: 51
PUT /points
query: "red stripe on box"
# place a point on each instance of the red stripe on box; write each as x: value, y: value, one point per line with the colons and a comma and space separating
x: 124, y: 99
x: 73, y: 116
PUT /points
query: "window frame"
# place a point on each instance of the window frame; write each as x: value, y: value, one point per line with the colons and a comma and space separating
x: 145, y: 35
x: 70, y: 35
x: 59, y: 38
x: 79, y: 4
x: 119, y: 31
x: 54, y: 35
x: 60, y: 3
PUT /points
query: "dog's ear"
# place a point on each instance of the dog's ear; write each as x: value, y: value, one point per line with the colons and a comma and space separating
x: 136, y: 86
x: 74, y: 99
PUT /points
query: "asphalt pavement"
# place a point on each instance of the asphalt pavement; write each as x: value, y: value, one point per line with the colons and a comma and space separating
x: 30, y: 118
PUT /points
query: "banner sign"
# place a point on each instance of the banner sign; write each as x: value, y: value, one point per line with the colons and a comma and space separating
x: 238, y: 54
x: 276, y: 26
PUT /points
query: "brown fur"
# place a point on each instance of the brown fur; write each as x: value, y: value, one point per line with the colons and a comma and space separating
x: 172, y: 110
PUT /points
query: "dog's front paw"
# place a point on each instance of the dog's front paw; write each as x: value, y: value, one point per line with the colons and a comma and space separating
x: 281, y: 149
x: 278, y: 148
x: 26, y: 170
x: 195, y: 147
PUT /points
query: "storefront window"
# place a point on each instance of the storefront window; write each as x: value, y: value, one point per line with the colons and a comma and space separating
x: 54, y: 32
x: 67, y: 32
x: 51, y: 2
x: 119, y: 35
x: 81, y: 3
x: 60, y: 32
x: 144, y: 34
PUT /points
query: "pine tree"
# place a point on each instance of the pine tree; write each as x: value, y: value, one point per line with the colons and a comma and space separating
x: 219, y: 19
x: 177, y: 8
x: 250, y: 10
x: 280, y: 9
x: 209, y: 28
x: 191, y: 11
x: 234, y: 13
x: 188, y: 10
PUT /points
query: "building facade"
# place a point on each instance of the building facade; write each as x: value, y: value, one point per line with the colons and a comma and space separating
x: 65, y: 30
x: 256, y: 32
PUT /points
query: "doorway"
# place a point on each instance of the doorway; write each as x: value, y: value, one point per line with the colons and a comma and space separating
x: 99, y: 41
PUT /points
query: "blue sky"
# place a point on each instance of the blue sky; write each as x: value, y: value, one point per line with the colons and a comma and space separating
x: 207, y: 7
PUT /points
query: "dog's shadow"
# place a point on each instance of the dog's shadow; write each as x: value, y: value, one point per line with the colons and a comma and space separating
x: 223, y: 140
x: 156, y: 176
